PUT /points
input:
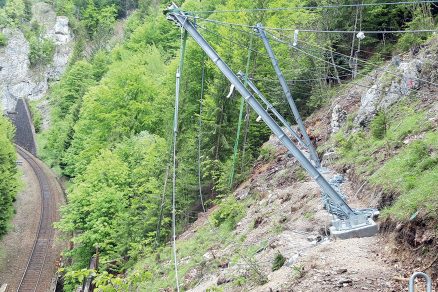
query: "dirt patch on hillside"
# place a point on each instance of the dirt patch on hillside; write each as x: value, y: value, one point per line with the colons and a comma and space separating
x: 288, y: 218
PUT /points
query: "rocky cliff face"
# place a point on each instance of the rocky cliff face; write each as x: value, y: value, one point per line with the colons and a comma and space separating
x: 17, y: 78
x: 404, y: 75
x: 398, y: 80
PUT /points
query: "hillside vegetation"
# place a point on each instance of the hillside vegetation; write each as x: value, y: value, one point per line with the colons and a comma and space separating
x: 112, y: 115
x: 8, y: 174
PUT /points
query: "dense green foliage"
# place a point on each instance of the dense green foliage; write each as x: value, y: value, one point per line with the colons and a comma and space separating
x: 120, y: 215
x: 379, y: 125
x: 112, y: 116
x: 17, y: 14
x: 228, y: 215
x: 413, y: 173
x: 8, y: 173
x: 41, y: 51
x: 37, y: 118
x: 3, y: 40
x: 14, y: 13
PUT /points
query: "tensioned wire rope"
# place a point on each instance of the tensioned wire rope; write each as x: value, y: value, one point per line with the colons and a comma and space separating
x: 297, y: 80
x: 334, y: 31
x: 260, y: 54
x: 200, y: 132
x: 312, y: 30
x: 314, y: 7
x: 162, y: 202
x: 363, y: 61
x: 243, y: 46
x: 251, y: 49
x: 175, y: 134
x: 375, y: 66
x: 234, y: 25
x: 320, y: 59
x: 304, y: 52
x: 242, y: 104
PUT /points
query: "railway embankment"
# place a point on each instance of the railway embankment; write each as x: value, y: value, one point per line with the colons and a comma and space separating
x: 31, y: 250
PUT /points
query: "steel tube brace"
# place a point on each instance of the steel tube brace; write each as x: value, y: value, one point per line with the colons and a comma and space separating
x: 288, y: 94
x: 270, y: 107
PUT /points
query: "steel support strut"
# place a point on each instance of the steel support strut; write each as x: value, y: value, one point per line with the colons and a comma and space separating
x: 288, y: 94
x: 270, y: 107
x: 350, y: 217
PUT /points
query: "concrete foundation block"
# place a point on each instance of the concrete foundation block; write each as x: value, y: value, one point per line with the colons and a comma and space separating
x: 368, y: 230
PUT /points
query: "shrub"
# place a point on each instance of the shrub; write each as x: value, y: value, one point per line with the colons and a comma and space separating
x: 41, y: 51
x: 267, y: 152
x: 301, y: 174
x: 37, y: 118
x: 298, y: 271
x: 228, y: 214
x: 379, y: 126
x: 3, y: 40
x: 409, y: 40
x: 279, y: 261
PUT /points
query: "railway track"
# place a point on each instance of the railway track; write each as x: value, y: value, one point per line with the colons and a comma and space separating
x: 32, y: 275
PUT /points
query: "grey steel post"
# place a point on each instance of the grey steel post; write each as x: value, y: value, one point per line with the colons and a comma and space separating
x: 287, y: 93
x: 173, y: 13
x: 270, y: 107
x: 422, y: 275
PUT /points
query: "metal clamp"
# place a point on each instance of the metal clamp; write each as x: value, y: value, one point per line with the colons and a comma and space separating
x: 421, y: 275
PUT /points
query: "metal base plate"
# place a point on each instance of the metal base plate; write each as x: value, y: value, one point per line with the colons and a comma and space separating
x: 368, y: 230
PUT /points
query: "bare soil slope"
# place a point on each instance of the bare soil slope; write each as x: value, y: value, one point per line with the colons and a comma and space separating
x: 288, y: 218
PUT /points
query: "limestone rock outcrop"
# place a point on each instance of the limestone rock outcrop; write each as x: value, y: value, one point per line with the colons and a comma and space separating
x: 397, y: 81
x: 17, y: 78
x: 338, y: 118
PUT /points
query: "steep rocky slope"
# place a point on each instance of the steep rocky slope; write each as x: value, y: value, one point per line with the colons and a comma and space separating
x: 283, y: 215
x: 18, y: 79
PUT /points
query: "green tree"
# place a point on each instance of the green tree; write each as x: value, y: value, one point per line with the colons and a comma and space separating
x: 128, y: 100
x: 66, y: 99
x: 8, y: 174
x: 13, y: 13
x: 113, y: 203
x: 98, y: 22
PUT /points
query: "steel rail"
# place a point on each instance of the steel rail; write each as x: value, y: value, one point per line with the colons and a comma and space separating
x: 32, y: 274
